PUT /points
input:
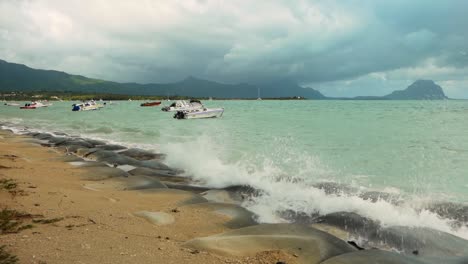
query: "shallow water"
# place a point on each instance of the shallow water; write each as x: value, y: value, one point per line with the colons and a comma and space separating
x: 416, y: 151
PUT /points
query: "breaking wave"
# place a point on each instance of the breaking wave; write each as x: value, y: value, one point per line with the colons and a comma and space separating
x: 289, y: 181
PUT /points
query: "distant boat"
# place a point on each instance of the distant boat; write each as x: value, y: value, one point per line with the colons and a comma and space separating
x: 181, y: 105
x: 258, y: 94
x: 34, y: 105
x: 210, y: 99
x: 129, y: 99
x: 87, y: 106
x: 151, y: 104
x: 194, y: 110
x: 199, y: 113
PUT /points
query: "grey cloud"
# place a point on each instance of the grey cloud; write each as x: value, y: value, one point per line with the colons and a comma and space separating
x: 319, y: 43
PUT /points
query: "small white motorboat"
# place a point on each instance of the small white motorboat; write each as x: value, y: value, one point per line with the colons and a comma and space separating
x: 87, y: 106
x: 199, y: 113
x: 182, y: 105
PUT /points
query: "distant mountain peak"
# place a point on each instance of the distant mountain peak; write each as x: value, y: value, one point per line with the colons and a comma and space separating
x: 419, y: 90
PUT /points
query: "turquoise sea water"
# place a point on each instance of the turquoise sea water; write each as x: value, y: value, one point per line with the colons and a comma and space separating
x: 415, y: 150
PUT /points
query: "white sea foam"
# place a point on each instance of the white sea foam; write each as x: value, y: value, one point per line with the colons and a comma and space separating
x: 283, y: 190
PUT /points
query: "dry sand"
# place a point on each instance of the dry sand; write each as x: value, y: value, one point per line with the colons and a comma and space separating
x: 99, y: 225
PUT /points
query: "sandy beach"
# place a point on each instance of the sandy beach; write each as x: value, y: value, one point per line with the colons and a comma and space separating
x: 98, y: 225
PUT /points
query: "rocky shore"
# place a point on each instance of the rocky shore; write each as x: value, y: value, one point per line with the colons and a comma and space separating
x: 79, y: 200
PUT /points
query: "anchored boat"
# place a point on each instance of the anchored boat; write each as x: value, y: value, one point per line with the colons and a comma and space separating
x: 87, y: 106
x: 199, y: 113
x: 151, y: 104
x: 182, y: 105
x: 34, y: 105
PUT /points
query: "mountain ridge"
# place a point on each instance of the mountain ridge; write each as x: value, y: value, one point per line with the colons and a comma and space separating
x: 19, y: 77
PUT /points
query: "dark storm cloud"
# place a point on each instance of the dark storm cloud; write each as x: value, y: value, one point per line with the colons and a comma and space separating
x: 325, y: 44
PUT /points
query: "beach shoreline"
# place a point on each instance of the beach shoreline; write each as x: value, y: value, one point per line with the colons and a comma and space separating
x: 91, y: 225
x: 78, y: 200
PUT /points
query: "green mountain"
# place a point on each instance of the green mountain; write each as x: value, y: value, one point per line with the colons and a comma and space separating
x: 18, y: 77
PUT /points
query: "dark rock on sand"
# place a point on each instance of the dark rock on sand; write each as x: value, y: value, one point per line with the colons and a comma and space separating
x: 32, y: 134
x: 223, y: 196
x: 154, y: 164
x: 375, y: 196
x: 372, y: 256
x: 299, y: 217
x: 96, y: 153
x: 60, y: 133
x: 167, y: 176
x: 57, y: 140
x: 43, y: 136
x: 445, y: 260
x: 77, y: 142
x: 243, y: 190
x: 101, y: 173
x: 111, y: 147
x: 335, y: 188
x: 351, y: 222
x: 109, y: 156
x: 427, y: 242
x: 240, y: 217
x: 84, y: 152
x: 449, y: 210
x: 142, y: 183
x: 153, y: 172
x: 115, y: 158
x: 70, y: 148
x: 95, y: 142
x: 140, y: 154
x: 185, y: 187
x: 310, y: 245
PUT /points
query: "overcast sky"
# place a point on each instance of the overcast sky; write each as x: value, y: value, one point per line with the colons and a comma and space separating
x: 342, y: 47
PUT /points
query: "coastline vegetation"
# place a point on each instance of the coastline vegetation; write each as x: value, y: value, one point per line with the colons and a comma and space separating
x: 11, y: 221
x: 6, y: 257
x: 8, y: 184
x: 73, y: 96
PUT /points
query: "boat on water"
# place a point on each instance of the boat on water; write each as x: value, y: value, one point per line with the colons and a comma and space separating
x: 182, y: 105
x: 199, y: 113
x: 34, y: 105
x: 87, y: 106
x: 150, y: 104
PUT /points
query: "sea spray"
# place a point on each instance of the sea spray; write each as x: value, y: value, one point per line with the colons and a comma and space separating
x: 293, y: 190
